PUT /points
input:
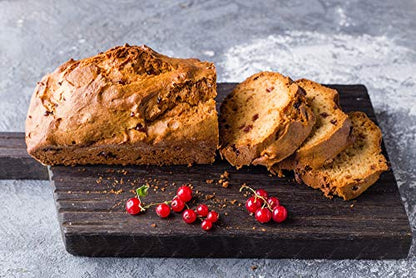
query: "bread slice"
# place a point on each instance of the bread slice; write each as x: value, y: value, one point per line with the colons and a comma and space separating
x: 329, y: 136
x: 264, y: 120
x: 356, y: 168
x: 128, y: 105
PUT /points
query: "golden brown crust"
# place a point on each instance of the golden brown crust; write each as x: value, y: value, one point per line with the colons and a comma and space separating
x: 131, y: 97
x: 356, y: 168
x: 331, y: 133
x: 292, y: 122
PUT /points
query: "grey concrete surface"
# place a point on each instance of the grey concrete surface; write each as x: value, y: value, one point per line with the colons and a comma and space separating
x: 369, y: 42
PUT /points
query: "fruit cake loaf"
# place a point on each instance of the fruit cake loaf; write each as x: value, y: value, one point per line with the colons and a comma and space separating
x: 128, y: 105
x: 264, y: 120
x: 329, y: 136
x: 356, y: 168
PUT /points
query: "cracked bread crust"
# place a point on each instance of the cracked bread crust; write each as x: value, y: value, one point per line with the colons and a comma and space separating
x: 128, y: 105
x: 264, y: 120
x: 355, y: 169
x: 330, y: 135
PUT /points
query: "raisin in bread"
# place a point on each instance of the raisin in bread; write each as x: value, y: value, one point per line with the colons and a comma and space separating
x: 128, y: 105
x: 354, y: 169
x: 329, y: 136
x: 264, y: 120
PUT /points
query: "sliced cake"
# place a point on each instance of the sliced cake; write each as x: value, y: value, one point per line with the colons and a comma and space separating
x: 356, y: 168
x: 264, y: 120
x: 128, y: 105
x: 329, y: 136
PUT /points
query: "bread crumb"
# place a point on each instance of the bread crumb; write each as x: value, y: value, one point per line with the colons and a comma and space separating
x: 253, y: 267
x: 117, y: 192
x: 263, y: 229
x: 233, y: 202
x: 209, y: 196
x: 225, y: 184
x: 153, y: 225
x: 226, y: 174
x: 209, y: 181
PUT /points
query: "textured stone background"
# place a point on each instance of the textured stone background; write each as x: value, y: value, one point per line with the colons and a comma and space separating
x: 330, y: 41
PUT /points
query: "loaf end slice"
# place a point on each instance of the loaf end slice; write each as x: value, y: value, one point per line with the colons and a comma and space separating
x: 128, y: 105
x: 356, y: 168
x: 264, y: 120
x: 330, y: 135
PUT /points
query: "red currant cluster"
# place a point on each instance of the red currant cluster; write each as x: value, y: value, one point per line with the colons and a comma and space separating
x: 265, y: 208
x: 183, y: 195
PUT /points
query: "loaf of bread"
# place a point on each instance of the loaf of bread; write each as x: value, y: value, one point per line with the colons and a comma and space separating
x: 128, y: 105
x: 329, y: 136
x: 356, y: 168
x: 264, y: 120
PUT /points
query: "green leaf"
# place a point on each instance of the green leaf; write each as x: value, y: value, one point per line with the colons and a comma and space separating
x: 142, y: 191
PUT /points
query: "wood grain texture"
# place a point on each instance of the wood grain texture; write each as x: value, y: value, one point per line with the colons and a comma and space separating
x: 15, y: 162
x: 90, y: 202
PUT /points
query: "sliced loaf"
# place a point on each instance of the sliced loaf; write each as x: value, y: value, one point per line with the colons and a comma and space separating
x: 264, y: 120
x: 356, y: 168
x: 128, y: 105
x: 329, y: 136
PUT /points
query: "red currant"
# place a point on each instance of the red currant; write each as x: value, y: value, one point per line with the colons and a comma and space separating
x: 212, y: 216
x: 273, y: 202
x: 263, y: 215
x: 177, y: 205
x: 206, y: 225
x: 184, y: 193
x: 189, y: 216
x: 202, y: 210
x: 253, y: 204
x: 133, y: 206
x: 163, y: 210
x: 263, y: 193
x: 279, y: 214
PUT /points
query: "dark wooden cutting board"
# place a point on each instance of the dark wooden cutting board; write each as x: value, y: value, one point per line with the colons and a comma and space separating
x: 90, y: 203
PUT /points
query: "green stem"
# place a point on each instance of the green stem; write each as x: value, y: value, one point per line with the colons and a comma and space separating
x: 155, y: 204
x: 256, y: 196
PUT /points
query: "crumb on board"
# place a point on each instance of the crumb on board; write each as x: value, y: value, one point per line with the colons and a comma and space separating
x: 117, y: 192
x: 225, y: 184
x: 209, y: 181
x: 253, y: 267
x: 153, y: 225
x: 210, y: 196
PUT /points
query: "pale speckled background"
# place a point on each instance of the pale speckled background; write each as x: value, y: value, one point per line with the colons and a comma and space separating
x: 369, y: 42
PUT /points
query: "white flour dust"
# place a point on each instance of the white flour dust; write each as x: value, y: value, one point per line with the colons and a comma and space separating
x: 375, y: 61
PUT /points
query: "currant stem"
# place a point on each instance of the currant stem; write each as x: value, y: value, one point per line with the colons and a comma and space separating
x: 155, y: 204
x: 140, y: 203
x: 256, y: 196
